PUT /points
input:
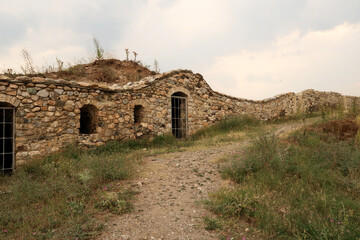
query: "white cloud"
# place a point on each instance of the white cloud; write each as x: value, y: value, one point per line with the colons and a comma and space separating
x: 323, y: 60
x: 44, y: 46
x: 175, y: 30
x: 64, y: 29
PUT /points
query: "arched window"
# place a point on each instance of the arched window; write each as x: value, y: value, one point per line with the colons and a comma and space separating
x: 88, y: 119
x: 138, y: 113
x: 179, y: 114
x: 7, y: 137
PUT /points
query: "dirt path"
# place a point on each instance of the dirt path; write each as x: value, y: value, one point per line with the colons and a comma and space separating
x: 171, y: 187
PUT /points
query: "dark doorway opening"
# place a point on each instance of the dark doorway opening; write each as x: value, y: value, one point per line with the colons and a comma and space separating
x: 138, y: 113
x: 7, y: 137
x: 88, y: 119
x: 179, y: 114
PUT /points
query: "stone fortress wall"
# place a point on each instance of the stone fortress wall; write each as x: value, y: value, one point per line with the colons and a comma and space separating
x: 51, y: 113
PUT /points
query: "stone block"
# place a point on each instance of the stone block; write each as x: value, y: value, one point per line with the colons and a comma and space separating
x: 38, y: 80
x: 43, y: 93
x: 36, y: 109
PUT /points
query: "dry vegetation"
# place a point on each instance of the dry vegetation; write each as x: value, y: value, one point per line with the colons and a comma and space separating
x: 99, y: 69
x: 106, y: 70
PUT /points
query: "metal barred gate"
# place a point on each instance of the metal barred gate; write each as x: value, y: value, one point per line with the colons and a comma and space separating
x: 7, y: 139
x: 179, y: 116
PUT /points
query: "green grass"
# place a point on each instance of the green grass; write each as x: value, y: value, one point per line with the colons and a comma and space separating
x: 57, y: 196
x: 212, y: 224
x: 233, y: 123
x: 304, y: 188
x: 165, y: 142
x: 117, y: 202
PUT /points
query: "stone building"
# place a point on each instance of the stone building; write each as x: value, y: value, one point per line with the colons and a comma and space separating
x: 40, y: 115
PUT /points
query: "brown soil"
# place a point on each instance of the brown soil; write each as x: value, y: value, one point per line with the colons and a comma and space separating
x: 107, y: 70
x: 343, y: 129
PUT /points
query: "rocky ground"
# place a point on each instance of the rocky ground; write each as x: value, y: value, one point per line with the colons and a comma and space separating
x: 171, y: 187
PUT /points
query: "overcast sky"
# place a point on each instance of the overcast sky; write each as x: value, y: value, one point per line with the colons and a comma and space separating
x: 246, y: 48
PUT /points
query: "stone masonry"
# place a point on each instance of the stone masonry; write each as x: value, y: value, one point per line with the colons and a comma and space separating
x: 49, y: 111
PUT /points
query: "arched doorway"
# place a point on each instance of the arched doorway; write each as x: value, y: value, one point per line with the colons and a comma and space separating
x: 7, y: 137
x: 179, y: 114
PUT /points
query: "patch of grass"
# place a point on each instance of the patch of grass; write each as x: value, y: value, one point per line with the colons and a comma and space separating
x: 166, y: 142
x: 56, y: 197
x: 357, y: 137
x: 233, y: 123
x: 117, y: 202
x: 212, y: 224
x: 76, y: 70
x: 304, y: 188
x: 297, y: 117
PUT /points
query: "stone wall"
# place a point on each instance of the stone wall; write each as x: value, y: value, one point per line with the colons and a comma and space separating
x: 48, y: 111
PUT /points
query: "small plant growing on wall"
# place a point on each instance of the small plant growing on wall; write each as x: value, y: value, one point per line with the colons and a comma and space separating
x: 156, y: 66
x: 127, y: 54
x: 29, y: 65
x: 135, y: 54
x: 9, y: 71
x: 99, y: 50
x: 60, y: 64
